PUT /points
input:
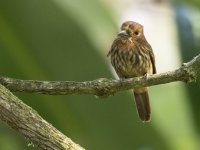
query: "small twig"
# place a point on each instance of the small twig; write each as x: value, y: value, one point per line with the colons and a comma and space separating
x: 103, y: 87
x: 24, y: 119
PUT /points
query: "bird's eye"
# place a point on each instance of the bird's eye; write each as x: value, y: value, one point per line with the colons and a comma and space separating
x: 136, y: 33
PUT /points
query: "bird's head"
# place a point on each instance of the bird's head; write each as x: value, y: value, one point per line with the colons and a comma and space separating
x: 131, y: 29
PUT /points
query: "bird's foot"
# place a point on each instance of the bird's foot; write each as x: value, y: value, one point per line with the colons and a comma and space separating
x: 146, y: 76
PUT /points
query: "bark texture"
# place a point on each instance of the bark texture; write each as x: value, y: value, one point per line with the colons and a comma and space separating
x: 25, y: 120
x: 103, y: 87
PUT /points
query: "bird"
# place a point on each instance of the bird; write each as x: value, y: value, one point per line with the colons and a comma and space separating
x: 132, y: 56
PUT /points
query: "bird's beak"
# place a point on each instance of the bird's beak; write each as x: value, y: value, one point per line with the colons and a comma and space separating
x: 122, y: 33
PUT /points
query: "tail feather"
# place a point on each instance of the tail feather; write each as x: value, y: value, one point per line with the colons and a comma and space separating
x: 143, y: 105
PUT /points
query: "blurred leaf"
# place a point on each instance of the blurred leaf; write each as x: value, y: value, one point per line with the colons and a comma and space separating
x: 189, y: 49
x: 59, y: 40
x: 92, y: 18
x: 195, y: 3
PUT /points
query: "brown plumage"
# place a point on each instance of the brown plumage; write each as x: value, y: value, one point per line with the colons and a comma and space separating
x: 132, y: 56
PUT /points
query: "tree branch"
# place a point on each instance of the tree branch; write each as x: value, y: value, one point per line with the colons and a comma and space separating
x: 24, y: 119
x: 103, y: 87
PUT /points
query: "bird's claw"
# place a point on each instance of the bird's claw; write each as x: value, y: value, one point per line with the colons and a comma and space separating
x: 146, y: 76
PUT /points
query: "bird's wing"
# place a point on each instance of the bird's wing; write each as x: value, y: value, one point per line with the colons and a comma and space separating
x: 152, y: 57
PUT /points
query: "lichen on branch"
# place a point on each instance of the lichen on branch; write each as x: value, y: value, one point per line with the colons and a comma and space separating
x: 103, y: 87
x: 25, y: 120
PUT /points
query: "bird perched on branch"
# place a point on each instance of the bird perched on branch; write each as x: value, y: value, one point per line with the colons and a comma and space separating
x: 132, y: 56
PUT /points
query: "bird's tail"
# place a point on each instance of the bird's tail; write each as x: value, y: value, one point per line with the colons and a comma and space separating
x: 142, y: 103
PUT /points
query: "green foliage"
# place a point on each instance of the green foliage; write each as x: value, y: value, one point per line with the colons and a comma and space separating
x: 61, y: 40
